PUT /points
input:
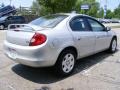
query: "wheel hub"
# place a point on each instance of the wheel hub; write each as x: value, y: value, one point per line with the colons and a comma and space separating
x: 114, y: 45
x: 68, y: 63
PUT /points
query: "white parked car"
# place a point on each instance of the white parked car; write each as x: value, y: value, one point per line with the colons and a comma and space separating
x: 58, y: 40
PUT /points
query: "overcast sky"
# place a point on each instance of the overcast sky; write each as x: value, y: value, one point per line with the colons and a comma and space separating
x: 112, y: 4
x: 17, y: 3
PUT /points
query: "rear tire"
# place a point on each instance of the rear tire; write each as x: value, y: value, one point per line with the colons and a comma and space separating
x: 113, y: 46
x: 65, y: 63
x: 2, y: 27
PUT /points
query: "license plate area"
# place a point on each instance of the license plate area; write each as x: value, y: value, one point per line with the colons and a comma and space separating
x: 12, y: 53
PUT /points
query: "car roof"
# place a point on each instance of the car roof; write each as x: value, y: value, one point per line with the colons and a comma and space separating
x: 75, y: 14
x: 15, y: 16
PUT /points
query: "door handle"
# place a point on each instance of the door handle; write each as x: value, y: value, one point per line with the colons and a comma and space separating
x: 79, y: 38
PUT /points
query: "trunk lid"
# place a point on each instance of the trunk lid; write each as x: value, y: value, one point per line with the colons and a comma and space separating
x: 22, y: 35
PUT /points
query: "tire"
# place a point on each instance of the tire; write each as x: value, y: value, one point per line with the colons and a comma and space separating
x: 2, y: 27
x: 65, y: 63
x: 113, y: 46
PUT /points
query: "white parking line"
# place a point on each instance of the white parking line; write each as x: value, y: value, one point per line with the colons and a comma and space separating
x: 12, y: 88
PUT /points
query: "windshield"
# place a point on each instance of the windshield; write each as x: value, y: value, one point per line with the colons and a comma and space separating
x: 48, y: 21
x: 3, y: 18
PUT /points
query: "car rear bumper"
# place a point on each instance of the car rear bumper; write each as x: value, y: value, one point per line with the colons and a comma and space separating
x: 33, y: 63
x: 30, y: 56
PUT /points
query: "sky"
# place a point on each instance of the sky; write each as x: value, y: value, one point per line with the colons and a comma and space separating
x: 18, y: 3
x: 111, y: 4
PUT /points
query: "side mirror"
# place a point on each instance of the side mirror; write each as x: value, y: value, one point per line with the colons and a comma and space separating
x: 108, y: 28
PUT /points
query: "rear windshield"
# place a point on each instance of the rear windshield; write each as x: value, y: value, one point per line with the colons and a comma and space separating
x: 48, y: 21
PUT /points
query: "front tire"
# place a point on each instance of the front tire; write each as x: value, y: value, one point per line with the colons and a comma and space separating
x: 65, y: 63
x: 113, y: 46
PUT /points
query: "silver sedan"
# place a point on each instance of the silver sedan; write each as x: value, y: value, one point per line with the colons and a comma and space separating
x: 58, y: 40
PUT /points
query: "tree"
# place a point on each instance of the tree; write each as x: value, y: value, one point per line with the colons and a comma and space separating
x: 22, y: 11
x: 109, y: 14
x: 100, y: 13
x: 94, y: 7
x: 117, y: 12
x: 56, y: 6
x: 35, y: 8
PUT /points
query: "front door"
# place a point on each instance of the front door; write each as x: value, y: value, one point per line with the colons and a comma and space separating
x: 84, y: 38
x: 102, y: 37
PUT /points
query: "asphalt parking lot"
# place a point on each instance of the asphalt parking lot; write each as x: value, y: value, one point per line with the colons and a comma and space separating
x: 97, y: 72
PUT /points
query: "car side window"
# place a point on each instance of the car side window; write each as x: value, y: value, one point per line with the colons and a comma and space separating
x: 14, y: 18
x: 78, y: 24
x: 18, y: 18
x: 97, y: 27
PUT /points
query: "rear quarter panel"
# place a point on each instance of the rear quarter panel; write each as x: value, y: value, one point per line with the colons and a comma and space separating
x: 59, y: 38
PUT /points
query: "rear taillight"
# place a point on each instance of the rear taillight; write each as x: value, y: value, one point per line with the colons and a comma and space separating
x: 37, y: 39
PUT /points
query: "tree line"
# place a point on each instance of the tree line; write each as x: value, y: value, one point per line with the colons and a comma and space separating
x: 66, y: 6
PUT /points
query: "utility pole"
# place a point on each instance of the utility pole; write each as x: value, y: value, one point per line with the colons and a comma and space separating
x: 10, y: 2
x: 105, y: 8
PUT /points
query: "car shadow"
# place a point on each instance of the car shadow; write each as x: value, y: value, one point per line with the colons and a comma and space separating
x: 47, y: 76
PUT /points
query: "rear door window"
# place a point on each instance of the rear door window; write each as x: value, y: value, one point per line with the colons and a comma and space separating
x: 79, y: 24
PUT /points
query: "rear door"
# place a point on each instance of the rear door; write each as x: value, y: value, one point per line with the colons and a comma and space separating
x: 84, y: 38
x: 101, y: 35
x: 21, y: 19
x: 15, y: 20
